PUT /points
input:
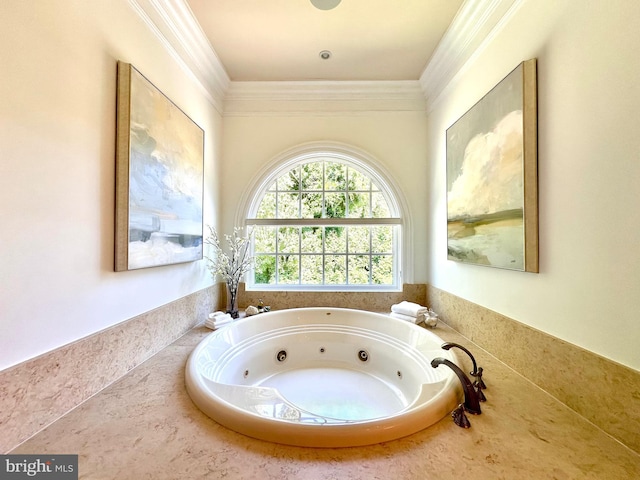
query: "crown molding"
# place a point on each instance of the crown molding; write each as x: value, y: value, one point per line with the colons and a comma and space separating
x: 323, y: 97
x: 174, y: 24
x: 474, y: 25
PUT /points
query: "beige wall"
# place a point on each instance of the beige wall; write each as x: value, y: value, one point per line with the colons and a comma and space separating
x: 397, y: 140
x: 589, y: 167
x: 57, y: 129
x: 57, y: 144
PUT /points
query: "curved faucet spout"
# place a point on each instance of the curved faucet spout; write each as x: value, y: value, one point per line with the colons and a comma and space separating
x: 448, y: 345
x: 471, y: 401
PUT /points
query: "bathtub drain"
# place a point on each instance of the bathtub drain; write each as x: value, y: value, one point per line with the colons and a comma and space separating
x: 281, y: 356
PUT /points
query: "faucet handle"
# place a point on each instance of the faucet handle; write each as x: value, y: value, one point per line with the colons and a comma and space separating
x: 460, y: 418
x: 479, y: 383
x: 479, y: 392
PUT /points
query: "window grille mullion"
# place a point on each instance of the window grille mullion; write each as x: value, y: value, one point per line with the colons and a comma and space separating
x: 300, y: 255
x: 346, y: 254
x: 337, y: 221
x: 276, y: 252
x: 347, y: 206
x: 324, y: 256
x: 370, y: 255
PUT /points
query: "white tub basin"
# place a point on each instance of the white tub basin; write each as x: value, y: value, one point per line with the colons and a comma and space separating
x: 322, y: 377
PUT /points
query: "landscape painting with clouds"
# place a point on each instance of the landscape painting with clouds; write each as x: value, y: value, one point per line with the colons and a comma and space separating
x: 486, y: 179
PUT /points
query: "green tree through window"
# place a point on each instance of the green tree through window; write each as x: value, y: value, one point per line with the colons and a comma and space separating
x: 326, y: 224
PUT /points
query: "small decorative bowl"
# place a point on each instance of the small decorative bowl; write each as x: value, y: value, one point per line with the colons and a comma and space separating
x: 431, y: 320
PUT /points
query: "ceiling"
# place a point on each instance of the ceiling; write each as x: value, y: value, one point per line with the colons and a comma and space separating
x: 281, y: 40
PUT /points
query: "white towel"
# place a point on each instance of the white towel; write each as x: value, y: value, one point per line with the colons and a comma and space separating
x: 217, y: 321
x: 406, y: 318
x: 216, y: 325
x: 410, y: 309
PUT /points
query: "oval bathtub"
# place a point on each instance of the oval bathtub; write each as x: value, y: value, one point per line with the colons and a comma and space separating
x: 322, y: 377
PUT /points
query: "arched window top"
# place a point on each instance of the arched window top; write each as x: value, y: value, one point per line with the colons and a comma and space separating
x: 330, y: 169
x: 324, y: 217
x: 323, y: 188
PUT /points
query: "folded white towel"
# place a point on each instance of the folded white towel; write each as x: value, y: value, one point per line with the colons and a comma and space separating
x: 407, y: 318
x: 410, y: 309
x: 219, y: 313
x: 215, y: 326
x: 218, y: 321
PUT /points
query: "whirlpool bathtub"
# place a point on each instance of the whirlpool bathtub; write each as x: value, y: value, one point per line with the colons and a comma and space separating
x: 322, y: 377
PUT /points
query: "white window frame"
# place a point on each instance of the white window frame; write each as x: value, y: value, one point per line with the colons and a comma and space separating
x: 338, y: 153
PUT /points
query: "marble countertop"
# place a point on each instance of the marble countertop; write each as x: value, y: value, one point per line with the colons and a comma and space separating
x: 144, y: 426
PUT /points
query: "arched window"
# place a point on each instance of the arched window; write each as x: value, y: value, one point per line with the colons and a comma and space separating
x: 325, y: 220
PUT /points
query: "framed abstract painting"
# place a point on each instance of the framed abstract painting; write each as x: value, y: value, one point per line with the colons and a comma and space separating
x: 159, y: 177
x: 492, y: 177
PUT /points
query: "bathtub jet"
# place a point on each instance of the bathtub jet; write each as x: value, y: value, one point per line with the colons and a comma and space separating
x: 322, y: 377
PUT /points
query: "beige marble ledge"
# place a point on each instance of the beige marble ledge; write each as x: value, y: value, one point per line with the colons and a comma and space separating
x: 145, y: 426
x: 37, y: 392
x: 602, y: 391
x: 371, y: 301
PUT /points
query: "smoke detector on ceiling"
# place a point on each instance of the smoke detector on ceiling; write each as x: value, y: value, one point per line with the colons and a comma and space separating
x: 325, y: 4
